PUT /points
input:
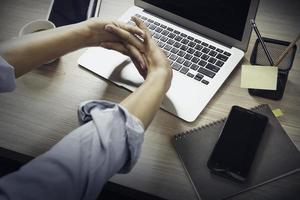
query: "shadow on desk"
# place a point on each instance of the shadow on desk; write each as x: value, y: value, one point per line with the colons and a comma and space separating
x: 10, y: 162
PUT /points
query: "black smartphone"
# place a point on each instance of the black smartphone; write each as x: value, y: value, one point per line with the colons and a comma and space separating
x: 64, y: 12
x: 235, y: 149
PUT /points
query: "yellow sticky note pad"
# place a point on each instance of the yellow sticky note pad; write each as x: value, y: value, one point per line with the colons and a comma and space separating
x: 277, y: 112
x: 259, y: 77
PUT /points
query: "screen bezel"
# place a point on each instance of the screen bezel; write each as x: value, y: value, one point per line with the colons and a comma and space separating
x: 217, y: 36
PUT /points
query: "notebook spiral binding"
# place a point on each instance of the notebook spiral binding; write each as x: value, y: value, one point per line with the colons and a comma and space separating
x: 195, y: 130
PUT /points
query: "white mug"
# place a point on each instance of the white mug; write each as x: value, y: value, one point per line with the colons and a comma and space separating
x: 36, y: 26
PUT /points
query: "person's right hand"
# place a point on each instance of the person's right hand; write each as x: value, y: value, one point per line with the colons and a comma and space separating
x: 157, y: 64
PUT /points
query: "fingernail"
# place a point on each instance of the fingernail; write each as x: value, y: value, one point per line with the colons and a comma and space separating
x: 108, y: 28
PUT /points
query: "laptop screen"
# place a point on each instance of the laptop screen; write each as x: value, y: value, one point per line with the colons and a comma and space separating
x: 227, y: 17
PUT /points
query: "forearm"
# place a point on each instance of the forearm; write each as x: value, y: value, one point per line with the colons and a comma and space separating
x: 146, y: 100
x: 30, y: 51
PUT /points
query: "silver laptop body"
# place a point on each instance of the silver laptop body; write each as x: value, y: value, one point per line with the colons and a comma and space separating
x: 204, y: 50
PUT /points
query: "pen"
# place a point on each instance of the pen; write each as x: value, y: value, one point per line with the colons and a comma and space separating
x: 286, y: 51
x: 252, y: 22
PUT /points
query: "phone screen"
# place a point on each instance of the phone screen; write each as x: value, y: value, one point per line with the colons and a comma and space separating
x: 64, y: 12
x: 235, y: 150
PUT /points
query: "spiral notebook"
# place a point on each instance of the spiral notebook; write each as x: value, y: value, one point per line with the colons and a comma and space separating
x: 276, y: 157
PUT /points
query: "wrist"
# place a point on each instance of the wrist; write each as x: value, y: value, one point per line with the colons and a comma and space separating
x: 160, y: 78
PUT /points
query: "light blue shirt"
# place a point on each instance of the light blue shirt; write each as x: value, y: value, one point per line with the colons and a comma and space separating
x: 77, y: 167
x: 7, y: 77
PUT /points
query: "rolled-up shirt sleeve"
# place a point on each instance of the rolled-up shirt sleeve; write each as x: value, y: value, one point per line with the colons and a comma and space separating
x: 108, y: 142
x: 7, y: 76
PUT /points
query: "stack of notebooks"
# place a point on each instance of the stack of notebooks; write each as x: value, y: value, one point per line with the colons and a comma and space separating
x: 276, y: 157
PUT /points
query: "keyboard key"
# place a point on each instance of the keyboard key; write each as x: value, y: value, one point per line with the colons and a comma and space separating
x: 138, y: 15
x: 212, y: 60
x: 198, y: 41
x: 168, y: 47
x: 190, y: 75
x: 198, y: 77
x: 188, y: 56
x: 212, y: 53
x: 199, y: 47
x: 195, y: 60
x: 157, y: 35
x: 206, y: 72
x: 173, y: 57
x: 190, y: 38
x: 177, y: 44
x: 144, y: 18
x: 147, y: 24
x: 158, y: 29
x: 194, y: 67
x: 176, y: 66
x: 171, y: 35
x: 202, y: 63
x: 180, y: 60
x: 169, y: 29
x: 204, y: 57
x: 197, y: 54
x: 227, y: 53
x: 187, y: 63
x: 184, y: 70
x: 170, y: 41
x: 150, y: 20
x: 184, y: 41
x: 178, y: 38
x: 184, y: 48
x: 183, y: 35
x: 212, y: 67
x: 222, y: 57
x: 204, y: 44
x: 164, y: 38
x: 212, y: 47
x: 156, y: 23
x: 205, y: 50
x: 163, y: 26
x: 205, y: 82
x: 191, y: 50
x: 181, y: 53
x: 219, y: 50
x: 165, y: 32
x: 176, y: 32
x: 174, y: 50
x: 152, y: 27
x: 219, y: 63
x: 192, y: 44
x: 161, y: 44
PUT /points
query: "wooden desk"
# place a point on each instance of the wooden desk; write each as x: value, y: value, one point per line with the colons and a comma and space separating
x: 42, y: 109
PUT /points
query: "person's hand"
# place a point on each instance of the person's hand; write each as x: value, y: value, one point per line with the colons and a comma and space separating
x: 157, y: 65
x: 101, y: 33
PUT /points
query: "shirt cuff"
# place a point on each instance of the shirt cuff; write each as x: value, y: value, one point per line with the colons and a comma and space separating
x: 134, y: 129
x: 7, y: 76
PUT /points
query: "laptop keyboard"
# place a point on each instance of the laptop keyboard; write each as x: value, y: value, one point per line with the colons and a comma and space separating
x: 194, y: 58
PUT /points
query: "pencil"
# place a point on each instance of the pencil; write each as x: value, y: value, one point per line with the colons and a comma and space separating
x: 286, y: 51
x: 252, y: 22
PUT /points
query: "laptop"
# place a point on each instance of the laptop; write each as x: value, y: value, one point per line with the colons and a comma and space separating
x: 204, y: 41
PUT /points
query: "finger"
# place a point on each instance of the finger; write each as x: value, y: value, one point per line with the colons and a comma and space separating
x: 141, y: 25
x: 132, y: 29
x: 137, y: 56
x: 126, y: 36
x: 142, y: 72
x: 115, y: 46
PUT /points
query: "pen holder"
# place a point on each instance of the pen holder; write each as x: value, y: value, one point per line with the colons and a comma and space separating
x: 258, y: 57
